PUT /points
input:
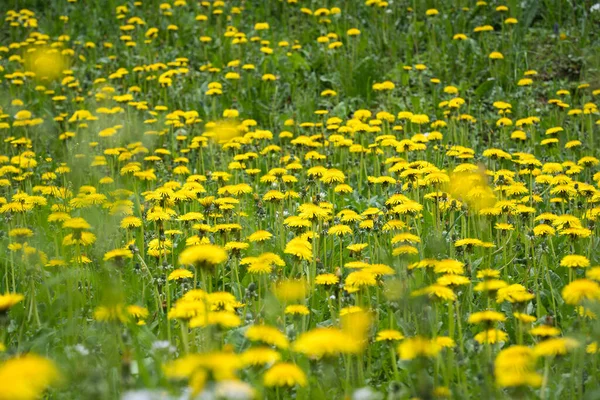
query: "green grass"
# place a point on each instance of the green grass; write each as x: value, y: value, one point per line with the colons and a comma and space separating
x: 424, y: 172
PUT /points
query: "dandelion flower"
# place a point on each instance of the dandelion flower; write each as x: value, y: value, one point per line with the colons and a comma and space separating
x: 204, y: 255
x: 284, y: 374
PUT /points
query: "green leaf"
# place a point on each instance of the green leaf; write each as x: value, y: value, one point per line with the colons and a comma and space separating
x: 340, y: 109
x: 298, y: 62
x: 484, y: 88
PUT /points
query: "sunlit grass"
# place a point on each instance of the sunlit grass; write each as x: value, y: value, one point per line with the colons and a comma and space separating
x: 286, y: 199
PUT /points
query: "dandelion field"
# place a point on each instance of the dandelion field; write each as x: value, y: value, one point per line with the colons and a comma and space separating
x: 299, y: 199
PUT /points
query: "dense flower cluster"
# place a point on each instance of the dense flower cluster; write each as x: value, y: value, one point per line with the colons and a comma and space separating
x: 232, y: 199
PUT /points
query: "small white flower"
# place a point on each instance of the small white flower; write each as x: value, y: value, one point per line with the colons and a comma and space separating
x: 234, y: 390
x: 366, y: 393
x: 81, y: 349
x: 77, y: 349
x: 145, y: 394
x: 160, y: 345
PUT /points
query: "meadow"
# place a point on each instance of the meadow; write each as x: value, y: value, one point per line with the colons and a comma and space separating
x: 294, y: 199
